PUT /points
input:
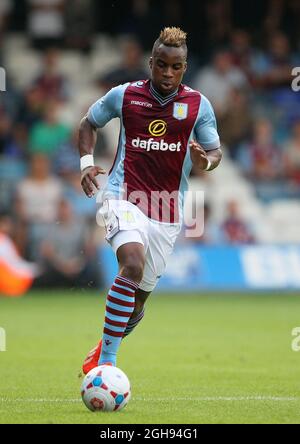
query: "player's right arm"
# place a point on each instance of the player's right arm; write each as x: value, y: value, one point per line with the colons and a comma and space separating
x: 86, y: 144
x: 101, y: 112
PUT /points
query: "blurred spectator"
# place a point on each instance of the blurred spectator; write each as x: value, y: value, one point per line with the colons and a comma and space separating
x: 66, y: 159
x: 243, y: 54
x: 218, y: 16
x: 290, y: 21
x: 204, y: 231
x: 81, y: 206
x: 273, y: 69
x: 66, y: 164
x: 6, y: 224
x: 272, y: 78
x: 5, y: 130
x: 67, y: 254
x: 37, y: 200
x: 12, y: 170
x: 236, y: 122
x: 47, y: 135
x: 39, y: 193
x: 283, y: 15
x: 292, y: 156
x: 46, y: 22
x: 235, y: 229
x: 79, y: 14
x: 273, y: 16
x: 31, y: 107
x: 131, y: 67
x: 52, y: 84
x: 16, y: 144
x: 240, y: 48
x: 261, y: 158
x: 5, y: 10
x: 135, y: 17
x: 217, y: 80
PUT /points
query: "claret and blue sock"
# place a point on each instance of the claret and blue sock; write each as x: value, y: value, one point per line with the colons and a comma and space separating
x: 120, y: 304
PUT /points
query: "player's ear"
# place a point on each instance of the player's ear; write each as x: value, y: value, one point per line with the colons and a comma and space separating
x: 150, y: 62
x: 185, y: 67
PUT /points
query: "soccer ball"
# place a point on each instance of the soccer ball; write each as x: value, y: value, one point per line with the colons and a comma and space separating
x: 105, y: 388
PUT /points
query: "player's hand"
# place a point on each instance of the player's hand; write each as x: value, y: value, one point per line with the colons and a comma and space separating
x: 89, y: 181
x: 198, y: 155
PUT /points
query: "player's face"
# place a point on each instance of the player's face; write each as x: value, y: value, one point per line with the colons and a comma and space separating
x: 167, y: 64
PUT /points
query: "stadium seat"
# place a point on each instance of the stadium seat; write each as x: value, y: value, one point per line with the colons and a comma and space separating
x: 14, y: 41
x: 72, y: 65
x: 100, y: 63
x: 23, y: 65
x: 284, y: 216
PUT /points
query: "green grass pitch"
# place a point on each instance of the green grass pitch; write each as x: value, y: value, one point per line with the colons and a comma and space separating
x: 195, y: 359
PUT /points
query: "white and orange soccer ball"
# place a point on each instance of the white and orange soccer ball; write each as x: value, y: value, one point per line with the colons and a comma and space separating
x: 105, y: 388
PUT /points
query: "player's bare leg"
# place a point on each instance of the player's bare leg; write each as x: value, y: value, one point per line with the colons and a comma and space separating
x: 131, y: 259
x: 125, y: 305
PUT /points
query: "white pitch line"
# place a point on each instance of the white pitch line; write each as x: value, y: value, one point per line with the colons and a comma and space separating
x: 165, y: 399
x: 46, y: 400
x: 222, y: 398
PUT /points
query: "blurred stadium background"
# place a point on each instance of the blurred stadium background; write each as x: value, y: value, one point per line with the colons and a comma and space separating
x: 60, y: 56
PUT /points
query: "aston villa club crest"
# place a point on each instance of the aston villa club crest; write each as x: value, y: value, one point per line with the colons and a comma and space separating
x: 180, y: 110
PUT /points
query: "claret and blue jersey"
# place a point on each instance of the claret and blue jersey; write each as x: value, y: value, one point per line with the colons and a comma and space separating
x: 153, y: 149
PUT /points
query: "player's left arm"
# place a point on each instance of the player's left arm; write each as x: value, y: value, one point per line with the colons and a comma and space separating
x: 204, y: 160
x: 205, y: 149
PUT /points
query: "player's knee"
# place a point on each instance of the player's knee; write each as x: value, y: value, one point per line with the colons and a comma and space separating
x: 133, y: 269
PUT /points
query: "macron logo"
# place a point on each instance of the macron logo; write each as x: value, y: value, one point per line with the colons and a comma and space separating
x: 151, y: 144
x: 146, y: 104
